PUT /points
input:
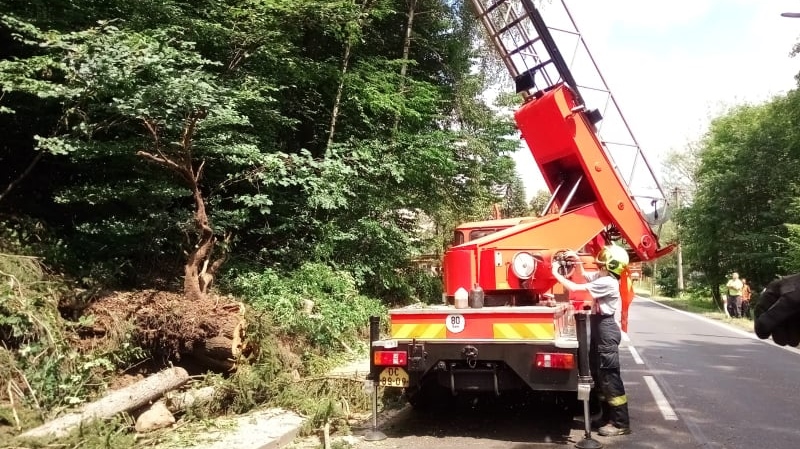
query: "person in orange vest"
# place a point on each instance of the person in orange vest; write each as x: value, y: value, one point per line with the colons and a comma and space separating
x: 604, y: 288
x: 746, y: 294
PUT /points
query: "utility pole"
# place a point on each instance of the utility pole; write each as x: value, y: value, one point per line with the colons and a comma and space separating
x: 679, y: 254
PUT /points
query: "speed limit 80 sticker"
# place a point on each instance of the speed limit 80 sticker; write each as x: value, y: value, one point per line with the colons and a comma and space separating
x: 455, y: 323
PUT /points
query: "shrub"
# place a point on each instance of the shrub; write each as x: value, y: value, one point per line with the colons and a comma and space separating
x: 425, y: 287
x: 667, y: 281
x: 339, y: 316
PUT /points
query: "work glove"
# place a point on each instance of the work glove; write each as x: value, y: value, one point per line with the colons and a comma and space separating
x: 777, y: 312
x: 556, y: 266
x: 572, y: 255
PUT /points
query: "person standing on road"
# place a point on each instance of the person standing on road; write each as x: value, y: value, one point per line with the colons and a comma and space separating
x: 734, y: 287
x: 746, y: 293
x: 604, y: 288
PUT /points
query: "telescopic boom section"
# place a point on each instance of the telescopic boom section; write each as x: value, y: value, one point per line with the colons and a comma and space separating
x: 529, y: 50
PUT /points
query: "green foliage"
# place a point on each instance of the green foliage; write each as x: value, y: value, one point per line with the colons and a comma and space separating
x: 667, y: 280
x: 514, y: 199
x: 425, y: 286
x: 277, y: 376
x: 738, y: 218
x: 792, y: 257
x: 124, y: 77
x: 538, y: 202
x: 36, y: 345
x: 339, y: 315
x: 693, y: 300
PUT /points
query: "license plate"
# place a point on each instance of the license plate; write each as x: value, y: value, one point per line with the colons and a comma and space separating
x: 393, y: 376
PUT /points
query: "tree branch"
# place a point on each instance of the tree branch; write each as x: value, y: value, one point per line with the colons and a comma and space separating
x: 168, y: 163
x: 22, y: 175
x: 365, y: 7
x: 238, y: 56
x: 199, y: 172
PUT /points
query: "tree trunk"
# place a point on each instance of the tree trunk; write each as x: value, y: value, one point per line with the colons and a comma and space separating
x: 222, y: 351
x: 715, y: 294
x: 194, y: 287
x: 365, y: 7
x: 338, y: 100
x: 406, y: 51
x: 126, y: 399
x: 199, y: 271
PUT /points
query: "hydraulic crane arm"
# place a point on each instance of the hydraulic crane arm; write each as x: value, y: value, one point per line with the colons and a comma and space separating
x: 564, y: 135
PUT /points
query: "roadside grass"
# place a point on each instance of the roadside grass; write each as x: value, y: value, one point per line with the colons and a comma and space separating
x: 703, y: 306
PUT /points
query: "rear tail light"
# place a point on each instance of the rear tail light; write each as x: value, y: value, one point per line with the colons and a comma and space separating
x: 390, y: 358
x: 555, y: 360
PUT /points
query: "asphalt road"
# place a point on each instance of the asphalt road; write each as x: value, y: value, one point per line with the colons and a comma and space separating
x: 691, y: 383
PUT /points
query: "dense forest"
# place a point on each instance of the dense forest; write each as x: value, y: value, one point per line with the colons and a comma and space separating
x: 270, y: 133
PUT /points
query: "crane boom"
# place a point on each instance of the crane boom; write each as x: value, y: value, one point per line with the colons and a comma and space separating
x: 529, y: 50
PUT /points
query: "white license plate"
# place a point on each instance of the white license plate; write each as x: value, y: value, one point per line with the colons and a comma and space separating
x: 393, y: 376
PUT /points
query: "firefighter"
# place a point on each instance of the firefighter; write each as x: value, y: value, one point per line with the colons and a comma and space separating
x: 777, y: 312
x: 603, y: 286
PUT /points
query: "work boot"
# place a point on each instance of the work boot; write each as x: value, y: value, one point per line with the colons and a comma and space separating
x: 610, y: 430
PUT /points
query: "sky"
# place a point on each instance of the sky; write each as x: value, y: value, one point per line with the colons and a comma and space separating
x: 673, y: 66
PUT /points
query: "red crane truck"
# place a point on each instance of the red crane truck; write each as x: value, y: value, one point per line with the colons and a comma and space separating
x: 522, y: 335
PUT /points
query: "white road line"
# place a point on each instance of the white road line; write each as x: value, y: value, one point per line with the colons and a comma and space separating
x: 635, y: 355
x: 661, y: 400
x: 625, y: 337
x: 724, y: 326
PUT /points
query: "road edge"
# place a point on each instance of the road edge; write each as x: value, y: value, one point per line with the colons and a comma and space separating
x: 718, y: 323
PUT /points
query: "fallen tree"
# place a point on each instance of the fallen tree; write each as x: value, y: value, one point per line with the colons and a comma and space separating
x: 123, y: 400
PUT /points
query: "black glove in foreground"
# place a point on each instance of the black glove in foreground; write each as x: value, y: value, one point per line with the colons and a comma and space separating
x: 777, y: 313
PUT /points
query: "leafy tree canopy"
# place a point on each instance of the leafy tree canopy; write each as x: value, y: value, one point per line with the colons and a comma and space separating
x: 278, y: 133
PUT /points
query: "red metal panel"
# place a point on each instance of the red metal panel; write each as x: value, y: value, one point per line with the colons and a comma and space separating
x: 486, y: 274
x: 564, y: 142
x: 460, y: 268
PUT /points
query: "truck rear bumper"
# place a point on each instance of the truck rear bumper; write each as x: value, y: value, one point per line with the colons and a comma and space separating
x: 471, y: 366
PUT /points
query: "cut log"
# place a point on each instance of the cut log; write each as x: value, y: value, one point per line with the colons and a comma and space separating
x: 129, y: 398
x: 223, y: 350
x: 179, y: 401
